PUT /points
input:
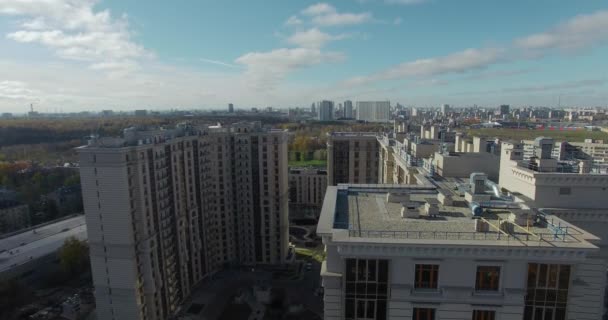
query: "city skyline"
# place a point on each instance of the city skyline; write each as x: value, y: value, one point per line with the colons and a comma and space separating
x: 93, y: 55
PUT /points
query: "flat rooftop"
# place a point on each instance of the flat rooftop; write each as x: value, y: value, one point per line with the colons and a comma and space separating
x: 39, y: 242
x: 364, y: 211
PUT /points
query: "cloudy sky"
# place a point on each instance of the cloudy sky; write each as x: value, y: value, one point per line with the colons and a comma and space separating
x: 73, y: 55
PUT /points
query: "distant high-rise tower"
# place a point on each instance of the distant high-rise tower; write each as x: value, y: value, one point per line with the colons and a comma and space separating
x: 326, y: 110
x: 373, y: 111
x: 313, y: 109
x: 348, y: 109
x: 445, y: 109
x: 504, y: 109
x: 230, y: 108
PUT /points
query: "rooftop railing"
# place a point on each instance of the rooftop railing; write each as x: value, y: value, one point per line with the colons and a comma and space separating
x: 527, y: 239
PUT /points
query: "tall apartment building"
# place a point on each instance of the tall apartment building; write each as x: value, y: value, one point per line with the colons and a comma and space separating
x: 374, y: 111
x: 352, y: 157
x: 348, y: 109
x: 307, y: 186
x: 405, y: 252
x: 326, y: 110
x: 166, y: 208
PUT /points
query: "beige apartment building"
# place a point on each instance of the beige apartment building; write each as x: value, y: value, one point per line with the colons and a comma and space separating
x: 307, y: 186
x: 352, y: 157
x: 166, y: 208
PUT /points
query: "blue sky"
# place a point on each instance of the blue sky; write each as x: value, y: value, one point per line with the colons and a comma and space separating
x: 73, y: 55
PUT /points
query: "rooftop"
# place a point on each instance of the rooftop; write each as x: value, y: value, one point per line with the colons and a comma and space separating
x: 365, y: 213
x: 136, y: 136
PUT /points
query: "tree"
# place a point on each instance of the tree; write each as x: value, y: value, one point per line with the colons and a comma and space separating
x: 72, y: 180
x: 74, y: 256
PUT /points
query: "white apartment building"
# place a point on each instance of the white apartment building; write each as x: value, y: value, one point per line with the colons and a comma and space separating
x: 539, y: 181
x: 374, y: 111
x: 405, y: 252
x: 348, y: 109
x: 166, y: 208
x: 352, y: 157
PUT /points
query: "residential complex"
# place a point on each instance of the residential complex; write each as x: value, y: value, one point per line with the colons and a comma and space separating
x: 167, y: 208
x: 404, y: 252
x: 463, y: 228
x: 374, y: 111
x: 352, y: 157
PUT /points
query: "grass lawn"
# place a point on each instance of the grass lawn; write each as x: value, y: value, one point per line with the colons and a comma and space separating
x: 317, y: 253
x: 308, y: 163
x: 526, y: 134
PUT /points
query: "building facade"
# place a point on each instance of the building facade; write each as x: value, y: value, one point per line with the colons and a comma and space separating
x: 307, y: 186
x: 374, y: 111
x: 326, y: 110
x: 388, y: 258
x: 167, y: 208
x: 352, y: 157
x: 348, y: 109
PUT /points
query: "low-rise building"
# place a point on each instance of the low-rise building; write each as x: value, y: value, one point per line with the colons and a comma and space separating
x: 539, y: 180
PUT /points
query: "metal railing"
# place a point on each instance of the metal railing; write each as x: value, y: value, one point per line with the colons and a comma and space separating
x: 524, y: 238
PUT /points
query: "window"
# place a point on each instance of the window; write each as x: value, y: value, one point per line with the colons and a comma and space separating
x: 484, y: 315
x: 366, y: 289
x: 423, y: 314
x: 488, y: 278
x: 547, y: 291
x: 426, y: 276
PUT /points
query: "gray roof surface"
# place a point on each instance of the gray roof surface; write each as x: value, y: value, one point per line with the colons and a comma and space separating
x: 370, y: 215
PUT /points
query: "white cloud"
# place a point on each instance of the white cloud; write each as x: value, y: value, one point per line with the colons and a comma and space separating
x: 323, y: 14
x: 75, y: 31
x: 558, y: 86
x: 318, y: 9
x: 313, y: 38
x: 336, y: 19
x: 265, y: 70
x: 293, y: 21
x: 579, y: 32
x: 15, y: 90
x: 219, y: 63
x: 458, y: 62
